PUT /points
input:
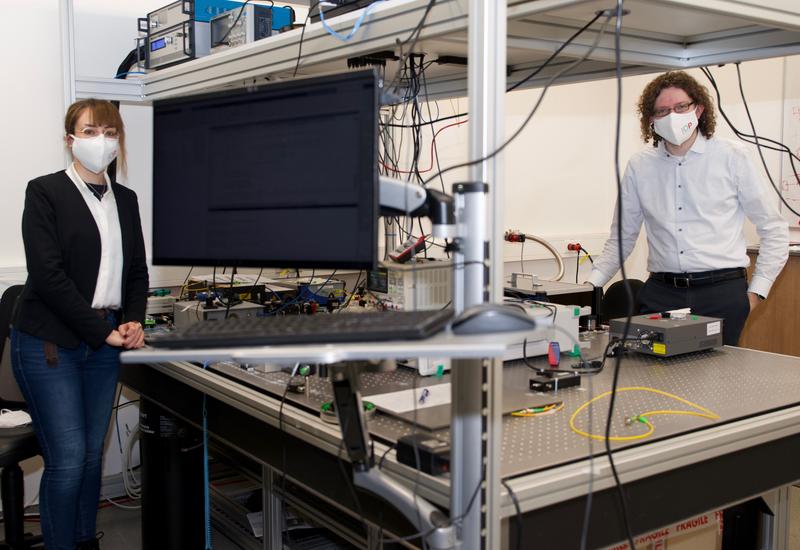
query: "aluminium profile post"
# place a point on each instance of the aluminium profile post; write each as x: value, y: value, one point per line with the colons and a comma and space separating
x: 476, y: 384
x: 66, y: 12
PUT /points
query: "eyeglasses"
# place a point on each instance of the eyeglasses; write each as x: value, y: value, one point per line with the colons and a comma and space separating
x: 94, y: 131
x: 679, y: 108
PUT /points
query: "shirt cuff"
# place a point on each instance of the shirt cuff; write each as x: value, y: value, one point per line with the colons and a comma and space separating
x: 760, y: 285
x: 597, y: 278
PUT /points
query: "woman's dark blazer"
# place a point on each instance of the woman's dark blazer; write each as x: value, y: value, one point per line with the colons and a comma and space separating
x: 62, y: 249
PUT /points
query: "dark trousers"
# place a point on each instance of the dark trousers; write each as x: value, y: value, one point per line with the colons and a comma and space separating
x: 725, y: 299
x: 728, y: 300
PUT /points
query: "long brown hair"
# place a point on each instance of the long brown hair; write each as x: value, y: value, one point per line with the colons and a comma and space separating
x: 675, y: 79
x: 103, y: 113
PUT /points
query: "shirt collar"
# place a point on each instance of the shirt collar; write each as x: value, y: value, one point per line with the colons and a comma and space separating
x: 82, y: 186
x: 699, y: 146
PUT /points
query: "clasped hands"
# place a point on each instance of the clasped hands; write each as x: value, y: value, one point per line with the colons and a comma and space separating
x: 128, y: 335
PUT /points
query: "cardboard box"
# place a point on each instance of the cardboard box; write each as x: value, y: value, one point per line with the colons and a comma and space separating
x: 703, y: 532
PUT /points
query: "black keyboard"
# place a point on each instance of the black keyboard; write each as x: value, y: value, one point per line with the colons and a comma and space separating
x: 306, y: 329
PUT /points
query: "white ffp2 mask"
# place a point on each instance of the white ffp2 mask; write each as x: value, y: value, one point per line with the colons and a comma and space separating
x: 676, y: 128
x: 95, y: 153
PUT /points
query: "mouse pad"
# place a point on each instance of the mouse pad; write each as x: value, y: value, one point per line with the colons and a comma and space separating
x: 433, y: 412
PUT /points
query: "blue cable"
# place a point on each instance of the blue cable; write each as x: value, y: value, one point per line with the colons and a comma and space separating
x: 299, y: 297
x: 354, y: 30
x: 206, y: 497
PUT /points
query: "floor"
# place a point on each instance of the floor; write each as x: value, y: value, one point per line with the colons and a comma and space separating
x: 122, y: 528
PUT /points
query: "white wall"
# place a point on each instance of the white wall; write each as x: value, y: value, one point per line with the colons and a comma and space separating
x: 560, y: 181
x: 32, y: 94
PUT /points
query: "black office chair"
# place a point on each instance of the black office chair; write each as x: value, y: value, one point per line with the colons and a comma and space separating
x: 615, y: 300
x: 16, y: 445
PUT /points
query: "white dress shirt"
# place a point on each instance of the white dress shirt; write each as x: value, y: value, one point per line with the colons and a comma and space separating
x: 108, y: 292
x: 693, y: 210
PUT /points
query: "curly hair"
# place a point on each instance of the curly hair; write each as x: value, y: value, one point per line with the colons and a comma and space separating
x: 675, y: 79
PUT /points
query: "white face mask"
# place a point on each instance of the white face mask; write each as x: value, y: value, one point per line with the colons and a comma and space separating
x: 676, y: 128
x: 95, y: 153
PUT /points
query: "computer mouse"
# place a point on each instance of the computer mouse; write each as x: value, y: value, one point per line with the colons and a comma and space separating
x: 489, y: 318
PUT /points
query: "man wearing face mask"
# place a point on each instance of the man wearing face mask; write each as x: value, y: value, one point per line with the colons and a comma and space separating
x: 84, y: 301
x: 693, y: 191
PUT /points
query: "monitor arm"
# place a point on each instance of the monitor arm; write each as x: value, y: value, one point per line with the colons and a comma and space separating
x: 436, y: 529
x: 404, y: 198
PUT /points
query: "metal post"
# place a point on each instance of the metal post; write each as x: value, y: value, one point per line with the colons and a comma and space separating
x: 67, y: 14
x: 273, y: 511
x: 476, y: 428
x: 467, y: 449
x: 470, y: 284
x: 486, y: 87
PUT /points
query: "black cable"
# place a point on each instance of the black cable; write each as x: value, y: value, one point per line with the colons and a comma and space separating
x: 352, y: 293
x: 186, y: 280
x: 123, y: 405
x: 524, y: 124
x: 555, y: 53
x: 349, y: 482
x: 241, y: 11
x: 587, y: 510
x: 230, y: 293
x: 546, y: 371
x: 754, y: 139
x: 518, y: 517
x: 628, y: 291
x: 282, y: 442
x: 383, y: 456
x: 302, y: 35
x: 758, y: 145
x: 440, y: 119
x: 524, y: 80
x: 454, y: 521
x: 412, y: 38
x: 213, y: 283
x: 417, y: 460
x: 422, y: 234
x: 255, y: 284
x: 741, y: 135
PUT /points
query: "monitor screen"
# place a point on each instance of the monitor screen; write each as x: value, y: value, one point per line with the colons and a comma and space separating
x: 284, y: 175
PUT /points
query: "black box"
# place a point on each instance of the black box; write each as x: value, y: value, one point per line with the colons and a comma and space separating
x: 434, y: 454
x: 555, y: 381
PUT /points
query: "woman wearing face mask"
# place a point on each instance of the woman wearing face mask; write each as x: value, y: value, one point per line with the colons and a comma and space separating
x: 693, y: 191
x: 84, y: 301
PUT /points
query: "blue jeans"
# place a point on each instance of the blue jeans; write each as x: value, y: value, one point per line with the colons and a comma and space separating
x: 70, y: 403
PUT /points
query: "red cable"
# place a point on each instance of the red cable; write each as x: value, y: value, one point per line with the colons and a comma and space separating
x: 433, y: 151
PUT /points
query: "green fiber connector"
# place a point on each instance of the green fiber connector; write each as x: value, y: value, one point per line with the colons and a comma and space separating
x: 305, y: 370
x: 576, y: 312
x: 575, y: 351
x: 642, y: 419
x: 694, y: 317
x: 161, y: 292
x: 439, y: 370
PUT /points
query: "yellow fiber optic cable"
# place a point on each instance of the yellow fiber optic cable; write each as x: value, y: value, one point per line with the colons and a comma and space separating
x: 643, y: 418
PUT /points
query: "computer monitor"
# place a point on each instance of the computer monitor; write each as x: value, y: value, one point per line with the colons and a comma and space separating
x: 285, y: 175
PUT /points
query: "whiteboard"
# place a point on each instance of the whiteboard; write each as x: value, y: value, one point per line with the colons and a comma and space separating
x: 790, y: 184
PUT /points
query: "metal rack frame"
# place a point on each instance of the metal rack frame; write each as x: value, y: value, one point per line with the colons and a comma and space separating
x: 719, y: 31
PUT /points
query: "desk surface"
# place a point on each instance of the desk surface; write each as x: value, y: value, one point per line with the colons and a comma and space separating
x: 730, y: 382
x: 689, y: 465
